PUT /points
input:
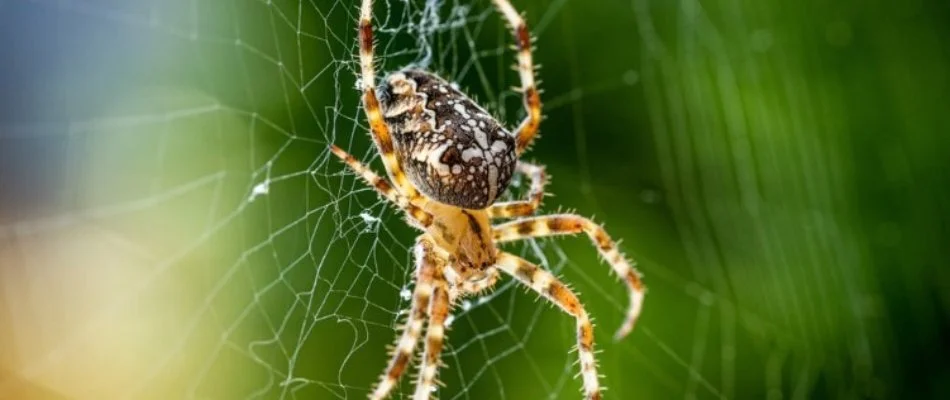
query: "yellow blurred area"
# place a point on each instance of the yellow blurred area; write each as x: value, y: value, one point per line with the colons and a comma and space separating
x: 71, y: 331
x: 108, y: 301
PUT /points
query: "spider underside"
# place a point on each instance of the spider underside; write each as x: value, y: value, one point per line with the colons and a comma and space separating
x: 448, y: 161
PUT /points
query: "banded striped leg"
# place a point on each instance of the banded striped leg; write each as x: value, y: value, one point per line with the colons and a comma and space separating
x: 380, y: 131
x: 435, y: 335
x: 547, y: 285
x: 383, y: 187
x: 532, y: 100
x: 427, y: 268
x: 566, y: 224
x: 523, y: 208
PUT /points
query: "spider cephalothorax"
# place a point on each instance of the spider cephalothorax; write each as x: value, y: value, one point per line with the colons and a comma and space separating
x: 449, y: 160
x: 452, y: 149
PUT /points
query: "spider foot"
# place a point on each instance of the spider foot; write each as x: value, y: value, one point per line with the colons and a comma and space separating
x: 637, y: 292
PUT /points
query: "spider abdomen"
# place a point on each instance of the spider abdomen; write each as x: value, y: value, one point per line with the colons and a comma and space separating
x: 452, y: 149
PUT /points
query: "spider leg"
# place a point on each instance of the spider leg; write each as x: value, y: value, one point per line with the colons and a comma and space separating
x: 378, y: 127
x: 551, y: 288
x: 435, y: 336
x: 427, y: 267
x: 566, y: 224
x: 383, y: 187
x: 532, y: 100
x: 522, y: 208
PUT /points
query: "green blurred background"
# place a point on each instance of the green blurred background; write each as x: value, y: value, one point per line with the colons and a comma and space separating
x: 172, y: 225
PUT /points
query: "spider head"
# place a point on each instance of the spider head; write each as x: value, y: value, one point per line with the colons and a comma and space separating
x: 452, y: 150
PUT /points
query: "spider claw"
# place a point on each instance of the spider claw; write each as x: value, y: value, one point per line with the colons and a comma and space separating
x: 633, y: 313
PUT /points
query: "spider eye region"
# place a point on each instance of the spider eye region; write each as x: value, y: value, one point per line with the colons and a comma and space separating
x: 453, y: 150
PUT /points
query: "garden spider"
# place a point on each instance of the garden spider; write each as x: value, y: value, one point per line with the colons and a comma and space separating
x: 448, y: 161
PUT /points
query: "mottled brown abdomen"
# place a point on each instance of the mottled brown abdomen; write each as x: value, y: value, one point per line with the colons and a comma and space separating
x: 452, y: 150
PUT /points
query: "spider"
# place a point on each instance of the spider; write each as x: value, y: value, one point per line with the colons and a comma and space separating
x: 448, y: 161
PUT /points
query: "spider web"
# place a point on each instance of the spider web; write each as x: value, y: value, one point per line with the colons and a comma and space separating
x: 196, y: 239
